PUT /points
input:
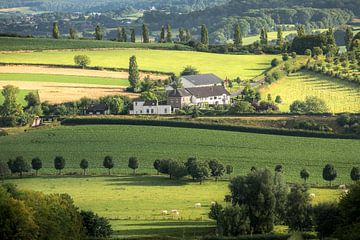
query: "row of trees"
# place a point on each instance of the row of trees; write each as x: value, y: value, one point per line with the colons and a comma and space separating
x: 261, y: 200
x: 198, y: 170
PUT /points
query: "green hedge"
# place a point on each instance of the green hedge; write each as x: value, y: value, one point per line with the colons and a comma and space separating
x: 253, y: 237
x: 187, y: 124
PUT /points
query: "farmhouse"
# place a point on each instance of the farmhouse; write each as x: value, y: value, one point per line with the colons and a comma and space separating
x: 150, y: 107
x: 97, y: 109
x: 200, y: 90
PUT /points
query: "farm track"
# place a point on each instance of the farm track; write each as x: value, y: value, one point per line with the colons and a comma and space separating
x: 65, y: 92
x: 71, y: 71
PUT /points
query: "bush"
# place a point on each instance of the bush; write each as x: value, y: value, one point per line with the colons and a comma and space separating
x: 82, y: 60
x: 308, y: 52
x: 275, y: 62
x: 94, y: 225
x: 285, y: 56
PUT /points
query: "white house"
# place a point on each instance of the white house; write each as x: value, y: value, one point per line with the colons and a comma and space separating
x: 149, y: 108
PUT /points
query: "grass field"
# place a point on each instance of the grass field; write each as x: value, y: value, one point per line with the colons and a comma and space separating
x: 242, y: 150
x: 62, y: 79
x: 20, y: 97
x: 134, y: 203
x: 18, y: 44
x: 231, y: 66
x: 340, y: 96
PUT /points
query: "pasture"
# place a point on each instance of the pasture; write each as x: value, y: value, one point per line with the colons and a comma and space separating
x: 26, y: 77
x: 340, y: 96
x: 134, y: 204
x: 231, y: 66
x: 242, y: 150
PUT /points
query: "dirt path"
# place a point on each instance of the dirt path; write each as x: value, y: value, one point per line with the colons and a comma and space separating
x: 72, y: 72
x: 65, y: 92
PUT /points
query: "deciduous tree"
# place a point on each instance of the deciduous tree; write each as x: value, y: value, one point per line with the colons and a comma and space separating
x: 59, y: 163
x: 84, y: 164
x: 134, y: 76
x: 329, y: 173
x: 56, y: 32
x: 145, y: 33
x: 36, y: 164
x: 133, y: 164
x: 108, y: 163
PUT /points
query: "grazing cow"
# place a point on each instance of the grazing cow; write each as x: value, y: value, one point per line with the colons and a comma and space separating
x: 197, y: 205
x: 213, y: 203
x: 342, y: 186
x: 312, y: 195
x: 346, y: 191
x: 175, y: 212
x: 164, y: 212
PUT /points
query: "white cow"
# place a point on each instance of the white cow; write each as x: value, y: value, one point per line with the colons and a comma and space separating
x: 197, y: 205
x: 312, y: 195
x: 175, y: 212
x: 213, y: 203
x: 164, y: 212
x: 342, y: 186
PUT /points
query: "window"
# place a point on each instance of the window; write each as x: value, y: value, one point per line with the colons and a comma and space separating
x: 215, y: 98
x: 165, y: 110
x: 140, y: 111
x: 152, y: 110
x: 135, y: 103
x: 147, y: 111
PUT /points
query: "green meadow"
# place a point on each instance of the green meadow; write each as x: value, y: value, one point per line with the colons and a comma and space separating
x: 223, y: 65
x: 340, y: 96
x: 62, y: 79
x: 148, y: 143
x: 134, y: 204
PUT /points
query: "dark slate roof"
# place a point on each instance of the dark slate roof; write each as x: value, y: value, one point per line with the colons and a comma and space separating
x: 97, y: 107
x: 203, y: 79
x: 150, y: 103
x: 202, y: 92
x: 180, y: 92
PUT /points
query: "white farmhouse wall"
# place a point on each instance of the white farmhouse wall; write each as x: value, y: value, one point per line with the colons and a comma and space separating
x: 213, y: 100
x: 139, y: 108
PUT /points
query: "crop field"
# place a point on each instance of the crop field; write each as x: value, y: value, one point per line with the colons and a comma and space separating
x: 231, y: 66
x: 340, y: 96
x: 242, y: 150
x: 19, y: 44
x: 134, y: 203
x: 62, y: 79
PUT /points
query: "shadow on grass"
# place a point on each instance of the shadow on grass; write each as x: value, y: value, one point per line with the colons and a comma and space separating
x: 146, y: 181
x: 173, y: 223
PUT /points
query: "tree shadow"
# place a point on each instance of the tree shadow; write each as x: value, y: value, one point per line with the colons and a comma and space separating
x: 145, y: 181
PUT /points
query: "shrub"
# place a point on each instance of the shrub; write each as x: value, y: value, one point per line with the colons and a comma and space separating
x: 82, y: 60
x: 285, y: 56
x: 275, y: 62
x: 94, y: 225
x: 308, y: 52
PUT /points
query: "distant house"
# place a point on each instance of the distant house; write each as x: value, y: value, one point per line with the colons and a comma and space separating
x: 200, y: 90
x: 150, y: 107
x: 97, y: 109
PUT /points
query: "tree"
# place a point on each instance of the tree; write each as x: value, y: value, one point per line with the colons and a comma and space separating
x: 200, y: 171
x: 190, y: 165
x: 204, y: 35
x: 326, y: 217
x: 216, y: 168
x: 263, y: 36
x: 168, y: 33
x: 56, y: 32
x: 280, y: 37
x: 177, y: 170
x: 19, y: 165
x: 72, y: 33
x: 215, y: 211
x: 279, y: 168
x: 298, y: 208
x: 82, y: 60
x: 308, y: 52
x: 280, y: 192
x: 132, y: 35
x: 123, y: 35
x: 59, y: 163
x: 278, y: 99
x: 330, y: 37
x: 145, y: 33
x: 240, y: 106
x: 182, y: 35
x: 233, y: 221
x: 329, y: 173
x: 255, y: 192
x: 108, y: 163
x: 300, y: 31
x: 84, y: 164
x: 156, y: 165
x: 98, y: 33
x: 4, y: 170
x: 36, y: 164
x: 229, y: 170
x: 162, y: 35
x: 298, y: 107
x: 237, y: 35
x: 175, y: 82
x: 133, y: 164
x: 304, y: 174
x: 95, y: 226
x: 10, y: 107
x: 348, y: 38
x: 355, y: 174
x: 33, y: 106
x: 134, y: 76
x: 189, y: 70
x: 275, y: 62
x: 188, y: 35
x: 269, y: 97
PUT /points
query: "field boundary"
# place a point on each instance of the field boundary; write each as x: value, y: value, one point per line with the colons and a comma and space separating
x: 197, y: 125
x: 87, y: 68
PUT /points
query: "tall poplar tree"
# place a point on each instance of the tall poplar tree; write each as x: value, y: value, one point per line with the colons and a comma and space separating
x: 72, y: 33
x: 204, y: 35
x: 280, y: 37
x: 182, y: 35
x: 263, y: 37
x: 168, y: 33
x: 300, y: 31
x: 124, y: 35
x: 237, y: 35
x: 98, y: 33
x: 133, y: 35
x: 56, y: 32
x: 188, y: 35
x: 145, y: 33
x: 134, y: 76
x: 162, y: 35
x: 348, y: 38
